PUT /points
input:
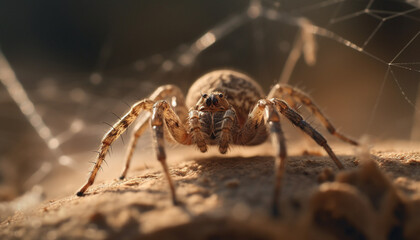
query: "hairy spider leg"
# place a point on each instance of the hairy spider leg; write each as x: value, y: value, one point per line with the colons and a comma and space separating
x: 298, y: 121
x: 163, y: 92
x: 252, y: 125
x: 112, y: 135
x: 265, y: 113
x: 272, y: 109
x: 173, y: 122
x: 163, y: 113
x: 228, y: 123
x: 284, y: 91
x: 279, y: 142
x: 195, y: 130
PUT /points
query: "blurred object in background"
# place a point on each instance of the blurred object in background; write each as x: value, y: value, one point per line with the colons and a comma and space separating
x: 23, y: 203
x: 82, y: 62
x: 415, y: 132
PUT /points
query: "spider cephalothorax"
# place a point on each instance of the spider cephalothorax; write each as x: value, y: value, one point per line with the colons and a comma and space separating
x: 225, y: 108
x: 212, y: 110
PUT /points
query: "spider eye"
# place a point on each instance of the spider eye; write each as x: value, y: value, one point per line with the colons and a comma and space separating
x: 215, y: 101
x: 208, y: 102
x: 220, y: 95
x: 204, y: 95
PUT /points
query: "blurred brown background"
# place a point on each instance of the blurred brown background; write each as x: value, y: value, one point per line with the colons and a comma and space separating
x: 81, y: 62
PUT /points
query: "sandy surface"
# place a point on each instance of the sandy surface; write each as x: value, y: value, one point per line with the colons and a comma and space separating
x: 227, y: 197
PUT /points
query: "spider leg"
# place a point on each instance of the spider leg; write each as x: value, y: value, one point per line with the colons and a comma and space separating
x: 138, y: 131
x: 288, y: 92
x: 112, y: 135
x: 279, y: 142
x: 254, y: 130
x: 195, y: 130
x: 269, y: 110
x: 297, y: 120
x: 163, y: 92
x: 226, y: 131
x: 265, y: 110
x: 163, y: 113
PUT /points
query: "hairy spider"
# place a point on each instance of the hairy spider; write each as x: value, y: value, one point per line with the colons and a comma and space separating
x: 226, y: 108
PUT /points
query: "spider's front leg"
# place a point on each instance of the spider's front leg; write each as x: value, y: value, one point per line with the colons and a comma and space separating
x: 163, y: 113
x: 195, y: 130
x: 266, y: 113
x: 163, y: 92
x: 279, y: 142
x: 228, y: 123
x: 112, y: 135
x: 269, y: 111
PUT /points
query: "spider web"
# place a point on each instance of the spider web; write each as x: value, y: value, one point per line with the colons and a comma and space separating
x: 382, y: 34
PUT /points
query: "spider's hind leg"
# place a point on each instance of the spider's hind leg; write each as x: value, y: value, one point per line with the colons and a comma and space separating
x: 163, y: 92
x: 287, y: 92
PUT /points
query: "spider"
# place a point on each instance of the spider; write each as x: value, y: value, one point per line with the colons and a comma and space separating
x: 225, y: 108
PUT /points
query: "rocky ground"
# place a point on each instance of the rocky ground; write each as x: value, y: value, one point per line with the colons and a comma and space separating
x: 227, y: 197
